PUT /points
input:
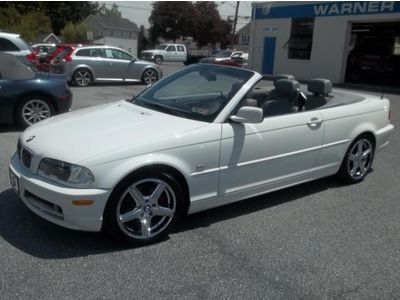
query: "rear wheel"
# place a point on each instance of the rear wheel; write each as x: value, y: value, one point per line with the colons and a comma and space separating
x: 33, y: 109
x: 358, y: 160
x: 143, y: 208
x: 149, y: 76
x: 82, y: 77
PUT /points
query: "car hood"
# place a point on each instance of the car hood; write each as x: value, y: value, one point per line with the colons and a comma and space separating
x: 82, y: 136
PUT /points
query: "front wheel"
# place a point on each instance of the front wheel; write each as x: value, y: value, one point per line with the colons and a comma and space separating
x: 358, y: 160
x: 143, y: 208
x: 158, y: 60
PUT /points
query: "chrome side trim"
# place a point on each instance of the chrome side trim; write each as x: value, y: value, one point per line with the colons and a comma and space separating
x: 250, y: 162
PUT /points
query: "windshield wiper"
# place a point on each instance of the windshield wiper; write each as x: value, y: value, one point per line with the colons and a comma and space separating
x: 164, y: 108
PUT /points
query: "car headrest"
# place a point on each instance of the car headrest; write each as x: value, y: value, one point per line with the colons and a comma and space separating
x: 250, y: 94
x: 320, y: 86
x: 286, y: 87
x: 250, y: 102
x: 282, y: 76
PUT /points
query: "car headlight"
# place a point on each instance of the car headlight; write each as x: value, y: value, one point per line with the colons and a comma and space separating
x: 65, y: 173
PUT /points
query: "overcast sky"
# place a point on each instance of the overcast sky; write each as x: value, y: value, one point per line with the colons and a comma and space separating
x: 139, y: 11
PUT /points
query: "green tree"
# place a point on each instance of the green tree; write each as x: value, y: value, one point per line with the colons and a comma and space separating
x: 113, y: 11
x: 29, y: 25
x: 74, y: 32
x: 59, y: 12
x: 209, y: 26
x: 171, y: 19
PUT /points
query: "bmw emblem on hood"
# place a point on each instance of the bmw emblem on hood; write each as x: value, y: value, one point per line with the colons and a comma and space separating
x: 30, y: 138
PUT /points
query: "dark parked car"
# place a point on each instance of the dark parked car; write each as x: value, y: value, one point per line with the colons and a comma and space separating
x: 28, y: 96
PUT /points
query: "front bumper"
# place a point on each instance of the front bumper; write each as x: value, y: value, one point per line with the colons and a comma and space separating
x: 54, y: 203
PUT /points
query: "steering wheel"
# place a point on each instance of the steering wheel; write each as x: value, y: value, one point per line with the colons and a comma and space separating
x: 221, y: 98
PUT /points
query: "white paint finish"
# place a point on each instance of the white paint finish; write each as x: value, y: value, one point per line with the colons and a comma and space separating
x: 221, y: 162
x: 279, y: 146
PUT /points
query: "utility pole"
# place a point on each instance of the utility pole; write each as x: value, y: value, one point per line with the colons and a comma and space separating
x: 234, y: 23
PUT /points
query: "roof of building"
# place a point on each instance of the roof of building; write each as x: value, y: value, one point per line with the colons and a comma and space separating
x: 111, y: 22
x: 245, y: 29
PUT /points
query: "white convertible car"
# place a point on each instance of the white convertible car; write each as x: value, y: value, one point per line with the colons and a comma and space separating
x: 202, y: 137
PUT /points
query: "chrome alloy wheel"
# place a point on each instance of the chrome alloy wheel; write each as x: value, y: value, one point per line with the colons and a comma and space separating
x: 146, y: 208
x: 35, y: 110
x: 149, y: 76
x: 360, y: 158
x: 82, y: 77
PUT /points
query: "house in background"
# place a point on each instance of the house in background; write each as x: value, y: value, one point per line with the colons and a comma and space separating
x: 114, y: 31
x: 49, y: 38
x: 243, y: 38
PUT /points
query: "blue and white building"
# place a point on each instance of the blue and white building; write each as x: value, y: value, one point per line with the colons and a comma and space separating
x: 342, y: 41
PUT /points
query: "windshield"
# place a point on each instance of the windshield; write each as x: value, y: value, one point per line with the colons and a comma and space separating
x: 13, y: 69
x: 224, y: 53
x: 161, y: 47
x: 197, y: 92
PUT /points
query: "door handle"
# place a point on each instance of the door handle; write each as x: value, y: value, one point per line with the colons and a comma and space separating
x: 314, y: 122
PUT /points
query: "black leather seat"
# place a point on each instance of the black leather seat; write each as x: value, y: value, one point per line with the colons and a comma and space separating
x: 320, y: 89
x: 285, y: 100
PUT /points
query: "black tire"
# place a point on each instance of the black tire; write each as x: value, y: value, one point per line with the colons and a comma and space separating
x: 358, y: 160
x: 147, y: 219
x: 32, y: 109
x: 158, y: 59
x: 82, y: 77
x: 149, y: 76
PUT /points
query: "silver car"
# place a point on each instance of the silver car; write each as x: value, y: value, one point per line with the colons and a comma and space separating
x: 90, y: 64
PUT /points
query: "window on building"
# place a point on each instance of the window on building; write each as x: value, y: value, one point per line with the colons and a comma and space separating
x: 396, y: 48
x: 130, y: 34
x: 300, y: 42
x: 245, y: 39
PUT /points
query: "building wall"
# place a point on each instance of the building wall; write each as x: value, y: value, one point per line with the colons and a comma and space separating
x: 330, y: 48
x: 129, y: 45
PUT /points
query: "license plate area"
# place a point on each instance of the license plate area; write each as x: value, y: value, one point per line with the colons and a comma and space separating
x: 14, y: 181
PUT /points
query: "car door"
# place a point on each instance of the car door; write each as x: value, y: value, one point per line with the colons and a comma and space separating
x: 276, y: 152
x: 117, y: 64
x: 181, y: 53
x: 170, y: 53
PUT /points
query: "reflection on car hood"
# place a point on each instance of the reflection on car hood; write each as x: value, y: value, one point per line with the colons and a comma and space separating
x: 101, y: 131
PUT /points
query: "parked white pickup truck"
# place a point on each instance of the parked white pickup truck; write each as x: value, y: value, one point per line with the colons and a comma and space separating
x: 166, y: 52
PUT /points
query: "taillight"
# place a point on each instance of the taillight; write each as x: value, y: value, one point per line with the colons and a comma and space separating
x: 31, y: 56
x: 68, y: 57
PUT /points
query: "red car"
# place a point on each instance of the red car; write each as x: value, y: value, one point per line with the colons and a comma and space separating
x: 54, y: 54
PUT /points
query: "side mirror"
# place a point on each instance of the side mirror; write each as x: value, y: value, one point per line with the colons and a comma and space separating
x: 248, y: 114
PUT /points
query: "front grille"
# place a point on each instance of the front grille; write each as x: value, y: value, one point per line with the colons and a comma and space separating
x: 47, y: 207
x: 26, y: 158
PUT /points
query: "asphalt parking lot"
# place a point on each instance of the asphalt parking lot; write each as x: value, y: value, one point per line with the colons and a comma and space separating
x: 320, y: 240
